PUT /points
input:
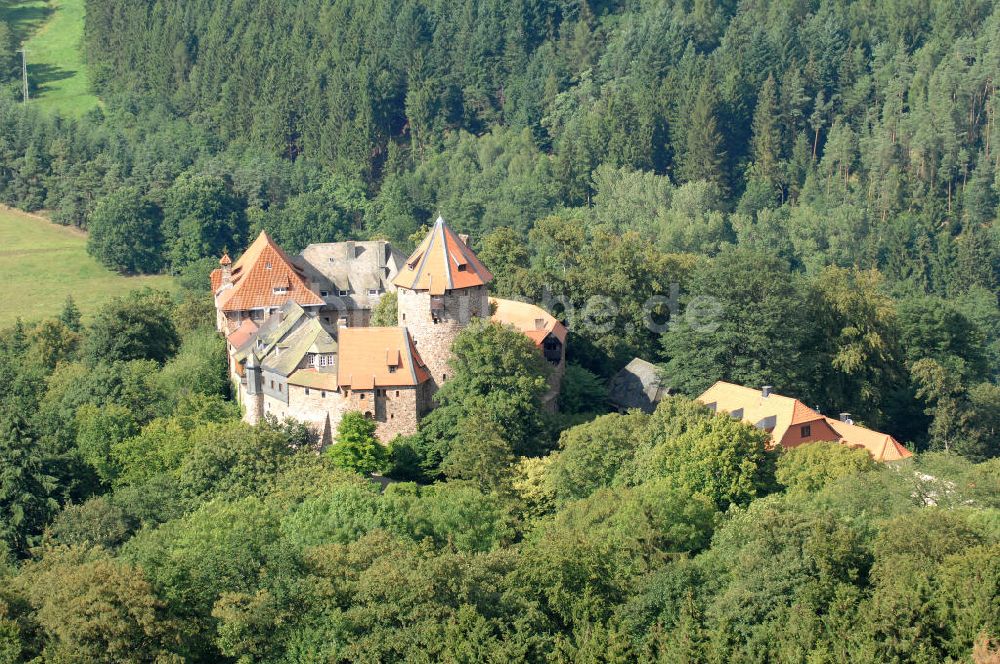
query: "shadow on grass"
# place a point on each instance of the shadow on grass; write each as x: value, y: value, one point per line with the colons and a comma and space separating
x: 40, y: 76
x: 23, y: 19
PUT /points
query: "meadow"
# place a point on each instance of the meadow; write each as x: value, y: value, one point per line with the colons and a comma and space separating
x: 51, y: 31
x: 41, y: 263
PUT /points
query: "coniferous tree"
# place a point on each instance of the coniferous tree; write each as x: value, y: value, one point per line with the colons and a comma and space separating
x: 701, y: 156
x: 766, y: 132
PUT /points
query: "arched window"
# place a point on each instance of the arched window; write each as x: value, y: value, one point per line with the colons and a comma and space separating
x: 368, y: 415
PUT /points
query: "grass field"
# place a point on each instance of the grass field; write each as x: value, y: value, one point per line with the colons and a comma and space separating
x: 52, y: 31
x: 41, y: 263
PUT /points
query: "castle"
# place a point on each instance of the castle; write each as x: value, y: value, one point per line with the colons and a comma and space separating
x: 300, y: 345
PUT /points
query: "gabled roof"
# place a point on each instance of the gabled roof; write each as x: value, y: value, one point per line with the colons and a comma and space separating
x: 881, y: 446
x: 242, y: 334
x: 442, y: 262
x: 287, y: 354
x: 271, y: 331
x: 776, y: 414
x: 351, y: 266
x: 373, y: 357
x: 534, y: 322
x: 264, y: 277
x: 638, y: 385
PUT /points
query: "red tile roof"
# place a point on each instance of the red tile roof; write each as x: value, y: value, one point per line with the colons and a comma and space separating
x: 881, y: 446
x: 533, y: 321
x: 262, y: 269
x: 370, y: 357
x: 242, y: 334
x: 442, y: 262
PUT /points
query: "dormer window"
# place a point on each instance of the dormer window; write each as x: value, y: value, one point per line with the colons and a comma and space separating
x: 392, y: 369
x: 324, y: 293
x: 373, y: 291
x: 462, y: 267
x: 343, y: 293
x: 281, y: 290
x: 267, y: 266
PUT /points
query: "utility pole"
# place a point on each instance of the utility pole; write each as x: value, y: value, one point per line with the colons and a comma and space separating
x: 24, y: 72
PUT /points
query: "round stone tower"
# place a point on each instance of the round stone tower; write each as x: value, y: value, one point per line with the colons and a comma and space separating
x: 440, y: 288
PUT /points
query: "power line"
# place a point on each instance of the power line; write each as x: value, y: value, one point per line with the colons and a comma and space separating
x: 24, y: 72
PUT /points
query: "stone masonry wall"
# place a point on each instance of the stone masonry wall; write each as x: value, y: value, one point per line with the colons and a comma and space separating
x: 434, y: 340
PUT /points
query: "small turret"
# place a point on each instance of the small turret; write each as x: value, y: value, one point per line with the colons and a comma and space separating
x: 226, y: 265
x: 252, y: 371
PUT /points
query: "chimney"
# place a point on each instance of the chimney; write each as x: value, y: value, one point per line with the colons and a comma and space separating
x: 349, y: 250
x: 846, y: 418
x: 765, y: 391
x: 226, y: 265
x: 464, y: 238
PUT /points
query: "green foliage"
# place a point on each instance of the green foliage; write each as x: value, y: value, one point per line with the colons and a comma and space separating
x: 136, y: 326
x: 746, y: 326
x: 809, y: 468
x: 218, y: 548
x: 497, y: 383
x: 89, y: 608
x: 25, y: 488
x: 201, y: 218
x: 591, y: 454
x: 125, y: 232
x: 198, y: 368
x: 99, y: 522
x: 384, y: 314
x: 98, y: 431
x: 356, y: 448
x: 582, y: 391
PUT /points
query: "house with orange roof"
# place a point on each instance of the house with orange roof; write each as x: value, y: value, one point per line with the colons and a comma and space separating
x: 792, y: 423
x: 298, y: 336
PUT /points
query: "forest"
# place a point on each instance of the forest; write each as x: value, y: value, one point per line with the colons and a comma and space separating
x: 826, y: 171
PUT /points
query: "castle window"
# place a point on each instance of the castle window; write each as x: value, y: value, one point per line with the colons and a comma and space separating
x: 362, y: 397
x: 369, y: 416
x: 462, y: 267
x: 806, y: 431
x: 373, y: 291
x: 322, y: 360
x: 392, y: 369
x: 444, y: 376
x: 322, y: 394
x: 307, y: 391
x: 272, y: 384
x: 279, y: 387
x: 391, y: 416
x: 397, y: 393
x: 324, y: 293
x: 267, y: 266
x: 343, y: 293
x: 404, y: 316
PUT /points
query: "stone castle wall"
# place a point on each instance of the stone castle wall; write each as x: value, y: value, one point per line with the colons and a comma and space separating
x: 434, y: 339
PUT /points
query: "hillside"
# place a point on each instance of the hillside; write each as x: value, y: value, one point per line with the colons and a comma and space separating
x: 41, y: 263
x: 52, y: 33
